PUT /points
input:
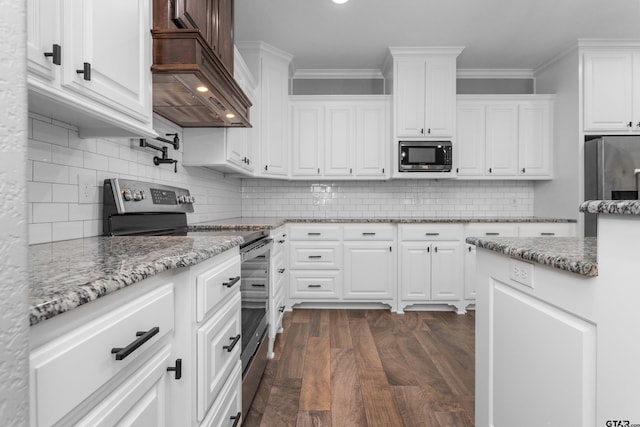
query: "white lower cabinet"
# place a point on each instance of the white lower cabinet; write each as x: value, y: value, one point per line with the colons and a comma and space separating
x: 430, y: 263
x: 279, y: 284
x: 162, y: 352
x: 469, y: 271
x: 369, y: 271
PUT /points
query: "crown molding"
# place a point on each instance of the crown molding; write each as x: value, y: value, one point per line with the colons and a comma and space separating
x: 437, y: 50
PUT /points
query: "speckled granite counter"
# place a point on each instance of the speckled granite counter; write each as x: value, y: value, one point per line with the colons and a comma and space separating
x: 613, y: 207
x: 271, y: 223
x: 67, y: 274
x: 573, y: 254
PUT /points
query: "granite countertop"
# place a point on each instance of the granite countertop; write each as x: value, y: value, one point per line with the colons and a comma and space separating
x: 573, y: 254
x: 613, y: 207
x: 67, y: 274
x: 270, y: 223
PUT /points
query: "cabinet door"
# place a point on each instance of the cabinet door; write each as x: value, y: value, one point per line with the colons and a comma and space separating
x: 239, y: 147
x: 119, y: 57
x: 446, y: 276
x: 534, y: 139
x: 415, y: 271
x: 440, y: 97
x: 197, y: 14
x: 224, y: 27
x: 636, y: 91
x: 339, y: 140
x: 372, y: 140
x: 306, y: 139
x: 43, y: 31
x: 274, y: 77
x: 140, y: 401
x: 608, y: 92
x: 369, y: 270
x: 469, y: 271
x: 470, y: 139
x: 409, y: 97
x: 501, y: 146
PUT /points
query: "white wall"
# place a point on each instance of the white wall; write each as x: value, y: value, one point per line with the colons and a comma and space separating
x: 14, y: 326
x: 396, y: 198
x: 56, y: 157
x: 561, y: 196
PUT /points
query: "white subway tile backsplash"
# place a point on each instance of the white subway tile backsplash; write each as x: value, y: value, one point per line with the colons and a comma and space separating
x: 92, y: 228
x: 65, y: 193
x: 39, y: 233
x: 50, y: 212
x: 48, y: 172
x: 40, y: 151
x: 67, y: 230
x: 108, y: 148
x: 66, y: 156
x: 39, y: 192
x: 84, y: 212
x: 118, y: 166
x: 95, y: 161
x: 48, y: 132
x: 78, y: 143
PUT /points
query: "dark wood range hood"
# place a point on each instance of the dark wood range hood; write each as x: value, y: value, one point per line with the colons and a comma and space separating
x: 193, y: 84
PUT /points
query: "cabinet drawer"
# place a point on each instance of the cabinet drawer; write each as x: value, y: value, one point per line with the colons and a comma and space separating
x: 254, y: 288
x: 315, y: 255
x: 547, y: 229
x: 229, y: 402
x: 491, y: 230
x: 279, y: 242
x: 370, y: 232
x: 67, y: 370
x: 316, y: 232
x: 315, y: 284
x: 213, y: 286
x: 219, y: 344
x: 430, y: 232
x: 279, y: 307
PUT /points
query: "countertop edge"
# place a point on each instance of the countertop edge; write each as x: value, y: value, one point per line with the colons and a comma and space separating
x: 581, y: 267
x: 611, y: 207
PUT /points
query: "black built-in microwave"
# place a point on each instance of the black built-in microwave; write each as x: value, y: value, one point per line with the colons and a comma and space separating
x: 424, y: 156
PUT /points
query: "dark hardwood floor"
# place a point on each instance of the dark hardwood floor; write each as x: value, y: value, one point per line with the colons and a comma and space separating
x: 369, y: 368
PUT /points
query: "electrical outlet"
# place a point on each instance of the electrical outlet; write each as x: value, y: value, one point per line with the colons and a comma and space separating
x: 86, y: 189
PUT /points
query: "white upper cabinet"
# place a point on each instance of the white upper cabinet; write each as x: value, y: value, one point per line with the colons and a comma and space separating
x: 269, y: 114
x: 424, y: 88
x: 87, y: 73
x: 335, y: 136
x: 504, y: 136
x: 612, y: 90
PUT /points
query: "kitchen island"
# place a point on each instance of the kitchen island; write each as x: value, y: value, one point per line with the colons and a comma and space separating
x: 556, y: 329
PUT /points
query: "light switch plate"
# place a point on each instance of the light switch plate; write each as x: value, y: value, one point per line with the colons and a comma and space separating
x: 521, y: 272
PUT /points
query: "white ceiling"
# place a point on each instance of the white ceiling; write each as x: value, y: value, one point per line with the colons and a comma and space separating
x: 497, y: 34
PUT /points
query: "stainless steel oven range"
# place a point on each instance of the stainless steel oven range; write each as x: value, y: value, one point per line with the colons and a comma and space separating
x: 142, y: 208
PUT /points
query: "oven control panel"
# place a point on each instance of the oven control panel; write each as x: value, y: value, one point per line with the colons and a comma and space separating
x: 131, y: 196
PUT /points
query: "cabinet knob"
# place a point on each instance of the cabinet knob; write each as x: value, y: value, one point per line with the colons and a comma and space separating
x: 523, y: 170
x: 469, y: 248
x: 630, y: 124
x: 638, y: 124
x: 490, y: 170
x: 55, y: 54
x: 350, y: 170
x: 429, y: 131
x: 318, y: 170
x: 266, y: 167
x: 86, y: 71
x: 422, y: 131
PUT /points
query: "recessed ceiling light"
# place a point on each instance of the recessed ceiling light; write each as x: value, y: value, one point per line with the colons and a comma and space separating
x: 340, y: 1
x: 230, y: 115
x: 202, y: 89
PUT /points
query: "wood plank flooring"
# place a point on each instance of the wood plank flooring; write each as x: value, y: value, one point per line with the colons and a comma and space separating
x: 369, y: 368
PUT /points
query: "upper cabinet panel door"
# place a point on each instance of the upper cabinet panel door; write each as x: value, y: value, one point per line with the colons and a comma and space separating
x: 502, y: 140
x: 410, y: 102
x: 273, y: 120
x: 372, y: 140
x: 534, y: 139
x: 339, y: 140
x: 306, y: 139
x: 43, y: 32
x: 440, y: 97
x: 469, y: 148
x: 608, y: 91
x: 108, y: 64
x: 196, y: 14
x: 225, y: 33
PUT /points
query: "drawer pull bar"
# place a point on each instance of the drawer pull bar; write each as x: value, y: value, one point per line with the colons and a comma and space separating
x: 491, y: 234
x: 281, y: 270
x: 547, y: 234
x: 315, y: 256
x: 368, y: 234
x: 281, y: 241
x: 232, y: 281
x: 431, y: 234
x: 143, y: 337
x: 257, y: 285
x: 313, y: 234
x: 177, y: 369
x: 234, y: 341
x: 281, y: 309
x: 315, y: 286
x: 236, y: 419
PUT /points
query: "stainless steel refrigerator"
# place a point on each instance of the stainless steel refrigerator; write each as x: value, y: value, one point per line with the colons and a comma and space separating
x: 611, y: 172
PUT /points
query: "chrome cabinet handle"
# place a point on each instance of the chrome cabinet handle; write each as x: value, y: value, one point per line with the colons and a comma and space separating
x: 234, y: 341
x: 232, y: 281
x: 143, y: 337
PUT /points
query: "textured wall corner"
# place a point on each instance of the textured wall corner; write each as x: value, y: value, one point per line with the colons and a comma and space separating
x: 14, y: 327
